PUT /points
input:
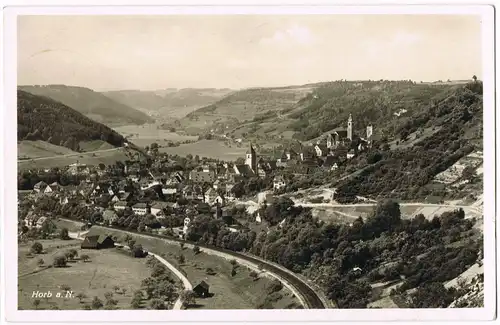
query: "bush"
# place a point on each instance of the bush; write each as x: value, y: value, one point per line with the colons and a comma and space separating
x: 59, y: 261
x: 64, y: 234
x: 96, y: 303
x: 36, y: 248
x: 274, y: 286
x: 196, y: 249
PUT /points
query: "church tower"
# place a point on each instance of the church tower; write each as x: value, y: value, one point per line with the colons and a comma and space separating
x: 251, y: 159
x: 349, y: 127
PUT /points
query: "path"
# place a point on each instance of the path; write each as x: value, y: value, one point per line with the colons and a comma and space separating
x: 187, y: 285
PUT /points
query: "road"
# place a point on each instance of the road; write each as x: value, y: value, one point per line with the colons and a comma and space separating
x: 69, y: 155
x: 187, y: 285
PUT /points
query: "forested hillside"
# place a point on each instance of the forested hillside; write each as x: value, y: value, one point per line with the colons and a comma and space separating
x: 454, y: 126
x: 90, y: 103
x: 41, y: 118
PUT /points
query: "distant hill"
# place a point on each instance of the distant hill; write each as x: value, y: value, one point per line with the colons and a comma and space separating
x: 42, y: 118
x: 244, y: 105
x: 169, y: 102
x: 90, y: 103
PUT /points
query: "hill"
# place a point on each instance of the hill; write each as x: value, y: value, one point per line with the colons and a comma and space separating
x: 168, y: 103
x: 41, y: 118
x: 90, y: 103
x: 242, y: 106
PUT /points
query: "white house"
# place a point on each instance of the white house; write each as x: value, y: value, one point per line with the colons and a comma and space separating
x: 140, y: 208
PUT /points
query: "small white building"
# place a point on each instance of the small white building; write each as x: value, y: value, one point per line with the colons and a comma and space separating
x: 279, y: 183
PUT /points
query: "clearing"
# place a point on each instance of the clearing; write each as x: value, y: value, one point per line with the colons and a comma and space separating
x: 35, y: 149
x: 208, y: 148
x: 106, y: 269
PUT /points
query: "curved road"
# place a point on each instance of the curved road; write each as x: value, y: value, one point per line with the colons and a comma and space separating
x: 68, y: 155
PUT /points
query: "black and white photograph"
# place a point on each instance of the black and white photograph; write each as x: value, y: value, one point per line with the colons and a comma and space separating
x: 308, y: 162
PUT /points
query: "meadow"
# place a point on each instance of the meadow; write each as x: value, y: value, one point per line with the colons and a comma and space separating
x: 208, y: 148
x: 108, y: 270
x: 240, y: 291
x: 144, y: 135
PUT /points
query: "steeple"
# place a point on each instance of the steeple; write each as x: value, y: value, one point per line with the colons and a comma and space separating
x: 349, y: 127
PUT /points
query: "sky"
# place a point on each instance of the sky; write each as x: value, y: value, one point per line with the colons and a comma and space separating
x: 237, y: 51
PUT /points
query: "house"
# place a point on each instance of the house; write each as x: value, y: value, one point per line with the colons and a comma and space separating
x: 120, y: 205
x: 210, y: 195
x: 40, y: 186
x: 40, y: 222
x: 140, y: 208
x: 258, y: 218
x: 78, y: 169
x: 204, y: 174
x: 321, y: 150
x: 115, y: 198
x: 331, y: 163
x: 202, y: 290
x: 243, y: 170
x: 110, y: 216
x: 157, y: 207
x: 98, y: 242
x: 350, y: 154
x: 279, y: 183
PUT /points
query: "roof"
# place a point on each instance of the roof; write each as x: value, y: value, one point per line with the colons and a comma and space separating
x: 97, y: 238
x: 121, y: 203
x: 41, y: 183
x: 203, y: 284
x: 330, y: 161
x: 160, y: 205
x: 244, y: 170
x: 109, y: 214
x: 279, y: 178
x: 322, y: 147
x: 140, y: 205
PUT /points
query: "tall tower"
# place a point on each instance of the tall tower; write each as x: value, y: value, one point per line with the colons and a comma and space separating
x: 369, y: 132
x: 251, y: 159
x: 349, y: 127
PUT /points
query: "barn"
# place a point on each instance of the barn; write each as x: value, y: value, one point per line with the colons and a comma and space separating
x: 98, y: 242
x: 202, y: 290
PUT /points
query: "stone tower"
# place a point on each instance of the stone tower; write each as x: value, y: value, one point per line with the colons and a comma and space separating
x: 349, y: 127
x: 251, y: 159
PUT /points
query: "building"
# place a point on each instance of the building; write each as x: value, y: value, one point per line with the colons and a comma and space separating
x: 40, y: 187
x: 98, y: 242
x: 120, y: 205
x: 204, y: 174
x: 265, y: 198
x: 158, y: 207
x: 243, y: 170
x: 279, y: 183
x: 349, y: 127
x: 202, y: 290
x: 140, y: 208
x: 321, y: 150
x: 251, y: 159
x: 331, y: 163
x: 78, y: 169
x: 110, y: 216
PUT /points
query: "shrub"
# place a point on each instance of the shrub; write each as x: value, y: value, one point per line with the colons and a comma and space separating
x: 96, y: 303
x: 60, y: 261
x: 36, y: 248
x: 196, y: 249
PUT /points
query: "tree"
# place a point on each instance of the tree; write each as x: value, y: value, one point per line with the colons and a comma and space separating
x: 60, y: 261
x: 188, y: 298
x: 84, y: 257
x: 108, y: 295
x: 81, y: 296
x: 41, y: 262
x: 469, y: 174
x: 64, y: 234
x: 474, y: 77
x: 36, y: 248
x: 181, y: 259
x: 157, y: 304
x: 96, y: 303
x: 36, y: 303
x: 182, y: 245
x: 196, y: 249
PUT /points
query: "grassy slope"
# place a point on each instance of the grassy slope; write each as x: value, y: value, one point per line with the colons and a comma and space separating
x: 238, y: 292
x: 106, y: 269
x: 35, y: 149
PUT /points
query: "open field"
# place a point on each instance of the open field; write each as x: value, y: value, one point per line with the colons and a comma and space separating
x: 208, y: 148
x: 106, y: 269
x: 90, y: 158
x: 35, y: 149
x: 144, y: 135
x: 238, y: 292
x: 95, y: 145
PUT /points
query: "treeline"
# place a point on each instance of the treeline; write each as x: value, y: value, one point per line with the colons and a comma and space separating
x: 41, y: 118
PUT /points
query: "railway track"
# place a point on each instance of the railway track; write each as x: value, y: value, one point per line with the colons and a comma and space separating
x: 311, y: 298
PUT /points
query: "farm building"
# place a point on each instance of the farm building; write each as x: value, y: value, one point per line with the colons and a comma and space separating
x: 202, y: 290
x: 98, y: 242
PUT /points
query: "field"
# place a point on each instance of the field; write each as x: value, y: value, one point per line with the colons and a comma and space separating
x: 90, y: 158
x: 106, y: 269
x: 208, y: 148
x: 229, y: 292
x: 34, y: 149
x: 144, y: 135
x: 95, y: 145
